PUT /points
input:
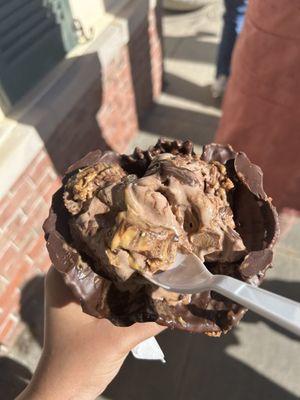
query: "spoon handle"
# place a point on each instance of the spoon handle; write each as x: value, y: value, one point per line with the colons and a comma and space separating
x: 282, y: 311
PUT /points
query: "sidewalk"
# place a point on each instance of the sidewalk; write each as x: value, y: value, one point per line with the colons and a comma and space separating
x: 186, y: 108
x: 257, y: 360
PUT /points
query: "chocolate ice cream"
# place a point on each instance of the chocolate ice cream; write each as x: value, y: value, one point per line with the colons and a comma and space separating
x: 116, y: 217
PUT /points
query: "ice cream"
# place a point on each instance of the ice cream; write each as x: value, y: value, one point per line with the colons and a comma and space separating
x: 117, y: 217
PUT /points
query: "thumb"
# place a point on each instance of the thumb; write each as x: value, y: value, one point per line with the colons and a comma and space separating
x: 142, y: 331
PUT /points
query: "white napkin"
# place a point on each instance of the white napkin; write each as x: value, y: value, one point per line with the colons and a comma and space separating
x: 149, y: 349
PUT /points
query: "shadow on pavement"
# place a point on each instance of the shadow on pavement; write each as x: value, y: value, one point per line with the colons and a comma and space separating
x: 178, y: 123
x: 183, y: 88
x: 191, y: 48
x: 201, y: 34
x: 197, y: 366
x: 32, y: 307
x: 290, y: 290
x: 174, y: 118
x: 14, y: 377
x: 169, y: 11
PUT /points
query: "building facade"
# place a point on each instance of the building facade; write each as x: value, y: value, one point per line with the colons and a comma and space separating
x: 73, y: 78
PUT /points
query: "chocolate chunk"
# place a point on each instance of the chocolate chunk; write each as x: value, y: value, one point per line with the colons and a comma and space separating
x: 218, y: 152
x: 250, y: 174
x: 89, y: 159
x: 255, y: 263
x: 167, y: 169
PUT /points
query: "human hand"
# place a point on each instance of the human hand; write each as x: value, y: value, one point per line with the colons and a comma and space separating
x: 81, y: 354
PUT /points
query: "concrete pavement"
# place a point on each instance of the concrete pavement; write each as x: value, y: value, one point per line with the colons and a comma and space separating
x: 186, y: 108
x: 256, y: 361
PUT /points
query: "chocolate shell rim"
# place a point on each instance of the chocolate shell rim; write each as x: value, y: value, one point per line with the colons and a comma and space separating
x: 253, y: 179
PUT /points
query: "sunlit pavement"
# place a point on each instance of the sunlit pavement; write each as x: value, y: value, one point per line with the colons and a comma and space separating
x: 257, y: 360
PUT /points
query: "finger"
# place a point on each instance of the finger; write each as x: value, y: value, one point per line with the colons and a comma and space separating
x: 141, y: 331
x: 57, y: 292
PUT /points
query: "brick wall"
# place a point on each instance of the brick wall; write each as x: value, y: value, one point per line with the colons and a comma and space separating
x: 117, y: 117
x: 107, y: 115
x: 131, y: 82
x: 22, y: 249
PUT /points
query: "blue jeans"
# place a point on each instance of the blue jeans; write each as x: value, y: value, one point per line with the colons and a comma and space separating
x: 233, y: 24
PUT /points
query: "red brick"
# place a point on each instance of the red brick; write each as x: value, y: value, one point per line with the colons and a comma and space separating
x: 30, y: 202
x: 3, y: 284
x: 43, y: 262
x: 26, y: 242
x: 9, y: 303
x: 37, y: 160
x: 8, y: 213
x: 39, y: 255
x: 14, y: 225
x: 10, y: 271
x: 45, y: 265
x: 38, y: 248
x: 13, y: 334
x: 27, y: 238
x: 4, y: 202
x: 20, y: 275
x: 7, y: 329
x: 4, y: 244
x: 10, y: 255
x: 45, y: 184
x: 24, y: 233
x: 37, y: 173
x: 22, y: 190
x: 39, y: 205
x: 36, y: 270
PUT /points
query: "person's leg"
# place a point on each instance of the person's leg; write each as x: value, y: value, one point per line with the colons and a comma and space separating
x: 240, y: 15
x: 233, y: 23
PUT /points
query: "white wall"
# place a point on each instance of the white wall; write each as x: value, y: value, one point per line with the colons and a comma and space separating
x: 93, y: 12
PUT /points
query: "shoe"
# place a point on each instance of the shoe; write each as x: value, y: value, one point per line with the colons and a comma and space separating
x: 219, y: 86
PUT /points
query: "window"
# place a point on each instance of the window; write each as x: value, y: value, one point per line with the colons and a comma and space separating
x: 34, y: 36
